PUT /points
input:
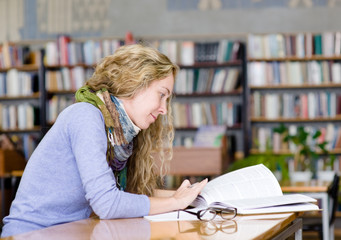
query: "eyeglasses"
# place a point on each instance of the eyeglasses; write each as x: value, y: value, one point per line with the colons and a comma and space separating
x: 210, y: 213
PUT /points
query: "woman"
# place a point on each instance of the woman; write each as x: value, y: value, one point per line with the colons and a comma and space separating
x: 97, y: 157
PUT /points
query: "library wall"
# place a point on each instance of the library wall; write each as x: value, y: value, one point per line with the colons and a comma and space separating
x: 32, y: 19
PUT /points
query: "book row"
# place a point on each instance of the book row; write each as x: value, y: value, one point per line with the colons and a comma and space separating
x: 294, y: 73
x: 207, y: 80
x: 191, y: 52
x: 64, y: 51
x: 294, y: 45
x: 12, y: 55
x: 266, y: 139
x: 57, y: 104
x: 22, y: 116
x: 308, y: 105
x: 14, y: 83
x: 68, y: 79
x: 187, y: 115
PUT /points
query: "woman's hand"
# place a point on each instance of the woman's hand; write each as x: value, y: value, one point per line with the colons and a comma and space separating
x: 182, y: 197
x: 186, y: 193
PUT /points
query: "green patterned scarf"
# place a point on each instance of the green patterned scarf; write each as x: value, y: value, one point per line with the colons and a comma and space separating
x: 120, y: 130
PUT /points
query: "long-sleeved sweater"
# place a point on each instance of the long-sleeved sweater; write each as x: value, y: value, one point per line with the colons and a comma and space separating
x: 68, y: 177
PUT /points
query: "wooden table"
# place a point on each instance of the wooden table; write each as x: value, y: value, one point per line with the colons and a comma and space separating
x: 316, y: 190
x: 270, y: 226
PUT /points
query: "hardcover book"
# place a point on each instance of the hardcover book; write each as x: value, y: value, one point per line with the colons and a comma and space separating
x: 251, y: 190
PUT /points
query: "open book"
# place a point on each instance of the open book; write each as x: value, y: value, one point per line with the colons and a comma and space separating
x: 252, y: 190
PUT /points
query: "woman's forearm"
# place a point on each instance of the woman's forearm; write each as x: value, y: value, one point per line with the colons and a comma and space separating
x: 162, y: 204
x: 163, y: 193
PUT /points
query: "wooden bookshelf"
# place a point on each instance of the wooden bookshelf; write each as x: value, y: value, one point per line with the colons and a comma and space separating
x: 300, y: 86
x: 241, y: 95
x: 25, y: 106
x: 294, y: 80
x: 236, y: 92
x: 57, y: 67
x: 20, y: 98
x: 24, y: 68
x: 337, y: 118
x: 311, y: 58
x: 336, y: 151
x: 236, y: 62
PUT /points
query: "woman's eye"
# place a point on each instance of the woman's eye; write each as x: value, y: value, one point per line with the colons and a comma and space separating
x: 162, y: 95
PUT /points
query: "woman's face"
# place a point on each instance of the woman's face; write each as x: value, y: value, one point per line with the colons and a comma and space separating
x: 144, y: 108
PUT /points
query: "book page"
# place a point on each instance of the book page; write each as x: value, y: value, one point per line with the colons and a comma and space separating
x: 252, y: 203
x: 299, y: 207
x: 249, y: 182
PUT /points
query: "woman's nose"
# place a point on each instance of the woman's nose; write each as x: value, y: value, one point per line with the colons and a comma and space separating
x: 163, y: 108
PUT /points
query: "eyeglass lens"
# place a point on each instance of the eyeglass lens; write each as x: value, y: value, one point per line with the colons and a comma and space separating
x: 209, y: 214
x: 227, y: 213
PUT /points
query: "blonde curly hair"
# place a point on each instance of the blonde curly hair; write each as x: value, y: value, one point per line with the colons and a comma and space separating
x: 130, y: 69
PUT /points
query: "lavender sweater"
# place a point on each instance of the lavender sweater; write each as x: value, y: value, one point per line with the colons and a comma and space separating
x: 67, y: 177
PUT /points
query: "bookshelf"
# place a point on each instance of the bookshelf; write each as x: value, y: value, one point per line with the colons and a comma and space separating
x: 294, y: 79
x: 211, y: 85
x: 257, y: 98
x: 312, y: 74
x: 21, y: 95
x: 38, y: 80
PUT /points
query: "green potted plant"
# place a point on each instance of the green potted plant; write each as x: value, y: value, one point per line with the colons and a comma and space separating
x: 308, y: 148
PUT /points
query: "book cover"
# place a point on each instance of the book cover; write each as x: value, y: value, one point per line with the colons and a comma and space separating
x: 328, y: 44
x: 317, y: 44
x: 309, y: 44
x: 337, y: 44
x: 187, y: 53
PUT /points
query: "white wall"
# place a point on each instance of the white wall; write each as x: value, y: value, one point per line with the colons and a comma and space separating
x: 41, y: 19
